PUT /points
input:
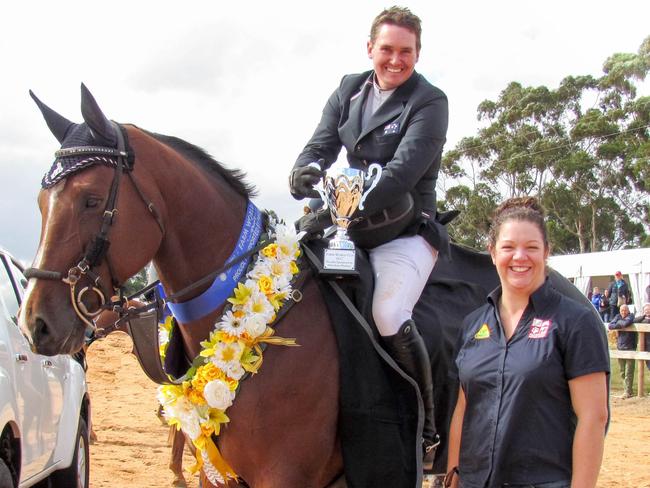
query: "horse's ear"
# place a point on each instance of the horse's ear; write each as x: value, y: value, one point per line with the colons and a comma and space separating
x: 59, y: 125
x: 101, y: 128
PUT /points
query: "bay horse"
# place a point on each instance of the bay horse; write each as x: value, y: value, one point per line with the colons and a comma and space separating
x: 105, y: 216
x: 283, y: 426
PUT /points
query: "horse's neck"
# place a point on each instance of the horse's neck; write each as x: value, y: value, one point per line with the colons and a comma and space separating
x: 202, y: 225
x: 202, y: 216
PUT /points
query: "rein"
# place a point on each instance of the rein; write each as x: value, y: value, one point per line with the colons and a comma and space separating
x: 130, y: 312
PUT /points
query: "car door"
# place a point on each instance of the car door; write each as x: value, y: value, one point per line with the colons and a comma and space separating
x: 54, y: 374
x: 27, y: 377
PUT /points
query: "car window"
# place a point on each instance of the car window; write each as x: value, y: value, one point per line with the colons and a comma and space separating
x: 7, y: 292
x: 19, y: 280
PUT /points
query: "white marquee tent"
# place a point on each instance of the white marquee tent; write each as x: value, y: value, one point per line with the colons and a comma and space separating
x: 635, y: 263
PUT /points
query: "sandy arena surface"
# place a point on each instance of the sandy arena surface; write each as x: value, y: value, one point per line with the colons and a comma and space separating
x: 132, y: 452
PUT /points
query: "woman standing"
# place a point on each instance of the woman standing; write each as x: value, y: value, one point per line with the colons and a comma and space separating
x: 533, y: 367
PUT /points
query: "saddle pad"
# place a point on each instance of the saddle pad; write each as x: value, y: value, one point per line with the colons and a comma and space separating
x: 378, y: 408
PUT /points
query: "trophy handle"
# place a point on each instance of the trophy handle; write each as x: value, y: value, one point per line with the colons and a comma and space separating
x: 376, y: 169
x: 319, y: 187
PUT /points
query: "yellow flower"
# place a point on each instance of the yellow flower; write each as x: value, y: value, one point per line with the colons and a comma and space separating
x: 242, y: 294
x: 265, y: 284
x: 271, y: 250
x: 210, y: 372
x: 195, y: 396
x: 293, y: 267
x: 228, y: 354
x: 250, y: 360
x: 170, y: 393
x: 217, y: 417
x: 205, y: 374
x: 276, y: 300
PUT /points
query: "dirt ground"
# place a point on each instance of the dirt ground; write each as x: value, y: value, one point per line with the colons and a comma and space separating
x: 132, y: 452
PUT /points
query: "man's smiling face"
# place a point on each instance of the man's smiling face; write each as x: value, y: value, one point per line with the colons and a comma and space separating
x: 394, y: 54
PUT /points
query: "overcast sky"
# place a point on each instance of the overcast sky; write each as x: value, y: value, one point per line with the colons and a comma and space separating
x: 247, y: 80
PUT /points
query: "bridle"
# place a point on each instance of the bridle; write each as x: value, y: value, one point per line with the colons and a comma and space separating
x: 121, y: 158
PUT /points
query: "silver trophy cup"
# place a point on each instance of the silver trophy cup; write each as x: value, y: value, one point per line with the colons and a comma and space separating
x: 343, y: 194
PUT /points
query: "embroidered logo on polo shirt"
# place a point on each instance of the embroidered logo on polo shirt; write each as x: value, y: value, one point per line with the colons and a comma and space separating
x: 539, y: 329
x: 483, y: 332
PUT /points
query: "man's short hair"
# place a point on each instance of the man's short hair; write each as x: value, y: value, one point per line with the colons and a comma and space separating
x: 400, y: 16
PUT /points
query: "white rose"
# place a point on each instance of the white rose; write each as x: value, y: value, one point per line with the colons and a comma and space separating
x: 189, y: 418
x: 218, y: 395
x: 255, y: 325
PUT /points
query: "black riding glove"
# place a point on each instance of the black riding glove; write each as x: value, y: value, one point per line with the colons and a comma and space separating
x: 302, y: 181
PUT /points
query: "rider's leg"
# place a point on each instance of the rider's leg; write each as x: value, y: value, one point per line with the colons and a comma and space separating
x: 401, y: 269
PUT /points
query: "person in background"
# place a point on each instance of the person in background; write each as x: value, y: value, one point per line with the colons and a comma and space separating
x: 604, y: 306
x: 391, y: 115
x: 625, y: 341
x: 644, y: 318
x: 596, y: 298
x: 533, y: 367
x: 612, y: 292
x: 622, y: 290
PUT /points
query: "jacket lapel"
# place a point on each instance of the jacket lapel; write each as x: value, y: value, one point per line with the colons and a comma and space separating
x: 357, y: 101
x: 391, y: 108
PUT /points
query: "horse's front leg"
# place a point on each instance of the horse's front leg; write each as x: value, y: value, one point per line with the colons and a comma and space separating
x: 176, y: 461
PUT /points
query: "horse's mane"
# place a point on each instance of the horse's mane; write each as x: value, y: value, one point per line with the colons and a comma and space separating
x: 234, y: 177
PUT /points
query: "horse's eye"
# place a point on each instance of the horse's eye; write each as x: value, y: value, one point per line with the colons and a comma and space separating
x: 92, y: 202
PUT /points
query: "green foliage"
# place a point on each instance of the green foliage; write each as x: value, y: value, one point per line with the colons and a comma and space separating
x: 136, y: 283
x: 582, y: 148
x: 476, y: 205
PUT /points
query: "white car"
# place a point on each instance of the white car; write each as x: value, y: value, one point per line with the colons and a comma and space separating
x: 44, y: 403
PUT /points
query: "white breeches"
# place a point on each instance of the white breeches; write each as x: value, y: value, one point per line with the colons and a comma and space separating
x: 401, y: 269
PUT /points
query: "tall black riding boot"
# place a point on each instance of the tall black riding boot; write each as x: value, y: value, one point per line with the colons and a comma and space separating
x: 408, y: 350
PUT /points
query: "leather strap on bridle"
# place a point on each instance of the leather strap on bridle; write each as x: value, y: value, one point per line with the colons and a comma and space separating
x: 97, y: 249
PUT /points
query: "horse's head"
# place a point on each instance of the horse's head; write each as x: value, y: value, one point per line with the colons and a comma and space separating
x: 96, y: 229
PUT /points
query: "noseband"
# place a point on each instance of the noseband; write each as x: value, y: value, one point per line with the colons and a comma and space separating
x: 98, y: 246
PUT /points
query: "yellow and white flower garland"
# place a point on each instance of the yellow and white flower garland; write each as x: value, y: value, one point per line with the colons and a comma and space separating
x: 198, y: 405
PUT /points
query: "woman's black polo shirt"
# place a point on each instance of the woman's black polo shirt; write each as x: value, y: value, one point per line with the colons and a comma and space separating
x: 519, y: 423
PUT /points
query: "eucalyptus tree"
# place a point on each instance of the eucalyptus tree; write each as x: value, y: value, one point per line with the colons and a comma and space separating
x: 583, y: 148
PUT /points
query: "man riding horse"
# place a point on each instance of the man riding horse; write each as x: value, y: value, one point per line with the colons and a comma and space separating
x: 393, y: 116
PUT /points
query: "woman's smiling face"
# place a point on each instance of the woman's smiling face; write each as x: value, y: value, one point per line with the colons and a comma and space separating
x: 519, y: 255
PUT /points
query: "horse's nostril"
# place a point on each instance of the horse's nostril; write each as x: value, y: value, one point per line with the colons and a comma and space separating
x: 41, y: 331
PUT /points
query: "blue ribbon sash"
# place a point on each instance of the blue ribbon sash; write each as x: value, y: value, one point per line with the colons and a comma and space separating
x: 224, y: 284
